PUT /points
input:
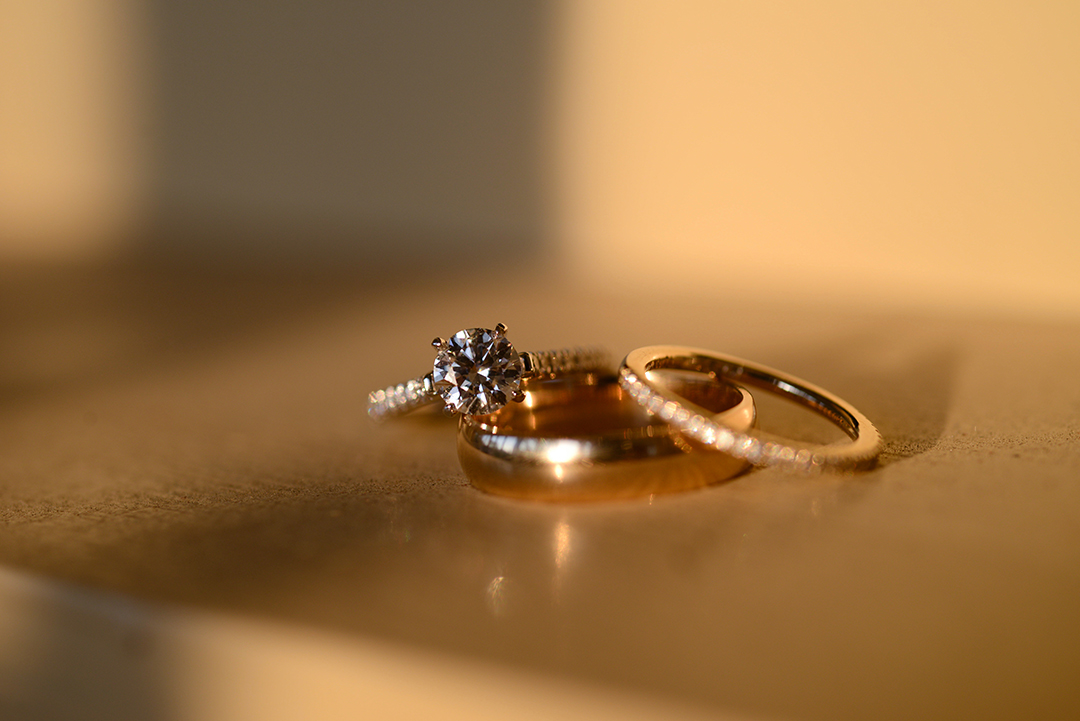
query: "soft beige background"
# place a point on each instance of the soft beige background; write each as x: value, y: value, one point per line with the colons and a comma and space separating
x: 900, y: 153
x: 890, y: 154
x: 73, y: 136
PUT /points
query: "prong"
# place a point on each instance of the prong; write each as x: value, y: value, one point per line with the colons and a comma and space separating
x: 449, y: 411
x: 518, y: 396
x: 500, y: 329
x: 438, y: 343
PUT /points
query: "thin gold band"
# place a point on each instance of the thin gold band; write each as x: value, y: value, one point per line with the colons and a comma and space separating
x: 584, y: 439
x: 636, y: 375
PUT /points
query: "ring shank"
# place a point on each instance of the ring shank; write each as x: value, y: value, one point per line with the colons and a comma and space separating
x: 758, y: 448
x: 801, y: 392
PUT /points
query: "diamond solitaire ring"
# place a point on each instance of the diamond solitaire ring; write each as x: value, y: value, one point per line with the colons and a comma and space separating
x: 637, y: 378
x: 478, y: 371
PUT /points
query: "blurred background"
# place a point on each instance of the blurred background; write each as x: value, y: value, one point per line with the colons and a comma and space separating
x: 892, y: 154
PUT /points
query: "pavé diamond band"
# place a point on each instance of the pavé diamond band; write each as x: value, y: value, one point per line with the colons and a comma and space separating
x: 636, y: 376
x: 583, y: 438
x: 477, y: 371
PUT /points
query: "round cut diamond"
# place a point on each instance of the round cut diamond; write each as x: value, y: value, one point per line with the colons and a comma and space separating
x: 477, y: 371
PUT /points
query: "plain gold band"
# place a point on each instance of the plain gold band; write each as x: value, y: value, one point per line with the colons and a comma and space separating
x: 585, y: 439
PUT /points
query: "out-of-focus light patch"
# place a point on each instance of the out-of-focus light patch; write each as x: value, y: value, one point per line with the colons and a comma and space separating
x: 72, y: 149
x: 24, y: 630
x: 562, y: 451
x: 562, y: 544
x: 496, y: 595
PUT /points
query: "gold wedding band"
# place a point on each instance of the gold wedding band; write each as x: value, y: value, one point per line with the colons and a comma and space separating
x: 583, y: 438
x: 637, y: 376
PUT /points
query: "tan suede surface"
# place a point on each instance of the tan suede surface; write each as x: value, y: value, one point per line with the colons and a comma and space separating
x: 197, y: 439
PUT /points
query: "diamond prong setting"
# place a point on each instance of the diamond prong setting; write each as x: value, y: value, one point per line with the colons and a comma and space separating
x: 477, y: 371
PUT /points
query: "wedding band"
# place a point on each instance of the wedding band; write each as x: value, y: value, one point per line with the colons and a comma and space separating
x: 755, y: 447
x: 584, y: 439
x: 478, y: 371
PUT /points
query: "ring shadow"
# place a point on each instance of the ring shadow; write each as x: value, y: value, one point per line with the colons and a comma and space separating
x: 904, y: 388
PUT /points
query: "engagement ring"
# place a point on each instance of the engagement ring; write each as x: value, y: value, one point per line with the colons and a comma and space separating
x: 478, y: 371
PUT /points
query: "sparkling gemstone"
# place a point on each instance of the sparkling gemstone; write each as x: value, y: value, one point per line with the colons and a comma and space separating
x: 478, y: 371
x: 723, y: 439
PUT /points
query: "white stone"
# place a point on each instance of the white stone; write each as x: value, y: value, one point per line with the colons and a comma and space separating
x: 478, y: 371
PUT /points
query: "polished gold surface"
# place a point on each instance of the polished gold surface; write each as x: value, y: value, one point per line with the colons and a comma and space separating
x: 638, y: 376
x: 585, y: 439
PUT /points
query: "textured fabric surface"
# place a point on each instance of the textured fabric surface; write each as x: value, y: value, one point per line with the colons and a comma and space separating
x: 201, y: 440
